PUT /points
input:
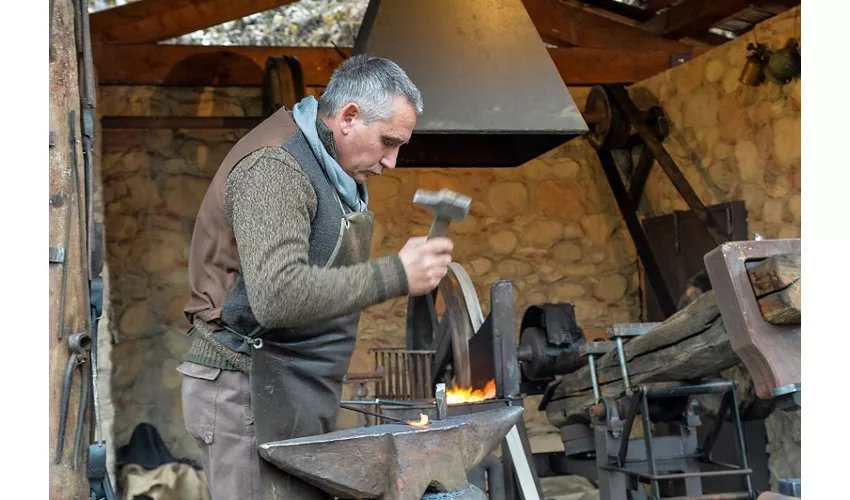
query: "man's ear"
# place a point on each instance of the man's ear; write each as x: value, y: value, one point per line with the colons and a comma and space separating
x: 350, y: 114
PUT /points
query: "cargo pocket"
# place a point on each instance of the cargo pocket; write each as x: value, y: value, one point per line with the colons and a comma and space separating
x: 199, y: 392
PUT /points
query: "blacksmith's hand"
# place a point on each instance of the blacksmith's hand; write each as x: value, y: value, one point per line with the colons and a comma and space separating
x: 425, y: 263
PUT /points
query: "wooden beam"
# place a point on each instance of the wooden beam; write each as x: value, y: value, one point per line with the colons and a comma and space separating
x: 156, y: 20
x: 197, y: 65
x: 656, y: 5
x: 693, y: 17
x: 568, y: 25
x: 588, y: 66
x: 690, y: 345
x: 621, y: 9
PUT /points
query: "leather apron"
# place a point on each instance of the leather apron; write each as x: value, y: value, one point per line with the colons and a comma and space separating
x: 296, y: 376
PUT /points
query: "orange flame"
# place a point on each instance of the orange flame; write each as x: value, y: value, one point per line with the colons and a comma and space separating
x: 423, y: 421
x: 458, y: 395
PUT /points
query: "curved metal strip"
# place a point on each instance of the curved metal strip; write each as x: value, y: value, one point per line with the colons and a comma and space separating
x: 470, y: 297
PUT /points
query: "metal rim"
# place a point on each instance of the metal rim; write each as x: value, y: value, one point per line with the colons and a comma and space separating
x: 464, y: 312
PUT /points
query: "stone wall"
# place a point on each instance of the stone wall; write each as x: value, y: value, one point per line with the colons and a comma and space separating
x: 732, y: 142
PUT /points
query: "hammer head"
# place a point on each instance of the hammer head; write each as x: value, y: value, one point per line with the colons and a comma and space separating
x: 444, y: 204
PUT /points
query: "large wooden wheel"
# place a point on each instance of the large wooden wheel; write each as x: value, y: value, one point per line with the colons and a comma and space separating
x: 444, y: 321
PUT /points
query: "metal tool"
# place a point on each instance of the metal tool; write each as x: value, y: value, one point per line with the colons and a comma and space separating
x: 771, y: 353
x: 441, y: 402
x: 592, y: 350
x: 79, y: 344
x: 377, y: 402
x: 446, y: 206
x: 618, y: 333
x: 404, y: 461
x: 371, y: 414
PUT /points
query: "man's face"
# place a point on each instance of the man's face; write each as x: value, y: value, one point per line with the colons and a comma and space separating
x: 366, y: 150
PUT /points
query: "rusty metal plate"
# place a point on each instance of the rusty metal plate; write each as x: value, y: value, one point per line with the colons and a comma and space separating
x: 771, y: 353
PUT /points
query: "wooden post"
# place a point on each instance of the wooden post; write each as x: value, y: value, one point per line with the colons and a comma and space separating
x: 67, y: 212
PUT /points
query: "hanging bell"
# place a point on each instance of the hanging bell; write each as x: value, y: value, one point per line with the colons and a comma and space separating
x: 753, y: 72
x: 785, y: 64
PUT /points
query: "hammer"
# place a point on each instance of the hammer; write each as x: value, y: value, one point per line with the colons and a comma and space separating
x: 446, y: 206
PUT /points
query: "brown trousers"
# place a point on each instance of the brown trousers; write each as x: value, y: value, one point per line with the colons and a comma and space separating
x: 217, y: 413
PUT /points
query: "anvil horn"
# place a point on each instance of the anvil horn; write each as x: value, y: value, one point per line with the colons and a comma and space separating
x: 394, y: 461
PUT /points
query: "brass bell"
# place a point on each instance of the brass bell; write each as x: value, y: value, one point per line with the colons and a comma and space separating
x: 785, y: 64
x: 753, y: 72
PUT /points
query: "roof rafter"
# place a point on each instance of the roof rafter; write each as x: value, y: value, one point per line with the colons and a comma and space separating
x: 693, y: 17
x: 568, y: 25
x: 157, y: 20
x: 197, y: 65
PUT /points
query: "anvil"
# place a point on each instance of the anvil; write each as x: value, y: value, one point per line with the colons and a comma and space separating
x: 396, y: 461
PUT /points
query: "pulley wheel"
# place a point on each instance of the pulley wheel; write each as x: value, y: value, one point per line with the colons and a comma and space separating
x: 608, y: 129
x: 283, y: 83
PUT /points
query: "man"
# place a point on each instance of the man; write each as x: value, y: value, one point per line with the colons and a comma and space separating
x: 279, y: 271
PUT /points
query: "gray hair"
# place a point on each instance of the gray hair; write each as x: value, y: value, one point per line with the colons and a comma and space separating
x: 371, y: 83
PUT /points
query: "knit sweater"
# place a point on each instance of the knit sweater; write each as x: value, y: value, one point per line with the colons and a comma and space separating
x: 270, y: 204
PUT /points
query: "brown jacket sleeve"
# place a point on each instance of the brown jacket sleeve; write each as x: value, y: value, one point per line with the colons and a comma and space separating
x: 271, y: 203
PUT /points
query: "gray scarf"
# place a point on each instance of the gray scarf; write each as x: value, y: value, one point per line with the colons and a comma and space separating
x: 305, y: 114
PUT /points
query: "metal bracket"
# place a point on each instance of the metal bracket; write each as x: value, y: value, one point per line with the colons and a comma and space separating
x: 617, y: 333
x: 771, y: 353
x: 57, y: 255
x: 591, y: 350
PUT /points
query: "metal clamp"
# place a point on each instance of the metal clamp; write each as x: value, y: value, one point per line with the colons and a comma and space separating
x: 591, y: 350
x: 618, y: 333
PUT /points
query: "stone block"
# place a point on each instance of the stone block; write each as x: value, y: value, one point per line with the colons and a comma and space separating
x: 559, y: 200
x: 567, y: 252
x: 508, y: 198
x: 544, y: 233
x: 749, y: 166
x: 611, y: 287
x: 786, y: 140
x: 794, y: 207
x: 134, y: 320
x: 383, y: 189
x: 568, y: 291
x: 502, y: 242
x: 513, y: 269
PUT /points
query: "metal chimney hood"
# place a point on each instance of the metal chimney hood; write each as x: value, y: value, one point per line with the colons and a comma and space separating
x: 492, y: 95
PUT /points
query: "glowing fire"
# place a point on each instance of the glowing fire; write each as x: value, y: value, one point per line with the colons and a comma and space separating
x: 423, y: 421
x: 458, y: 395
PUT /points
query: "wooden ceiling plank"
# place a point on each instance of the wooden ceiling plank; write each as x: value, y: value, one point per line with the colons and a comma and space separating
x: 149, y: 21
x: 692, y: 17
x: 195, y: 65
x: 198, y: 65
x: 581, y: 66
x: 569, y: 25
x: 656, y: 5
